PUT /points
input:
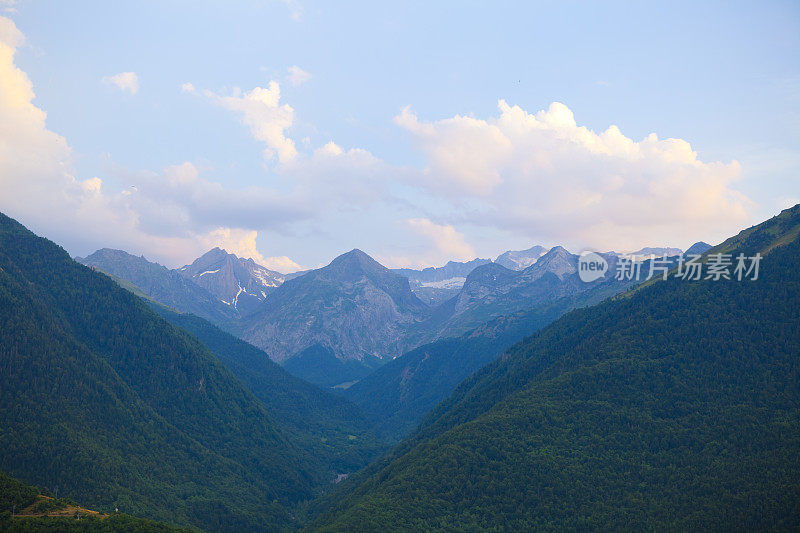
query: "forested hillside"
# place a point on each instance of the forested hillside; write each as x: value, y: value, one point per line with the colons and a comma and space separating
x: 26, y: 509
x: 676, y: 406
x: 106, y: 403
x: 330, y: 431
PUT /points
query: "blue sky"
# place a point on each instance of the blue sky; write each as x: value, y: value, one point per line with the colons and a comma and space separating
x: 426, y: 166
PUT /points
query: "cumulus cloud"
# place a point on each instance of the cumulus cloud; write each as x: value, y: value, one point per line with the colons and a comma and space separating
x: 439, y: 243
x: 339, y: 179
x: 297, y: 76
x: 179, y: 197
x: 545, y: 176
x: 448, y: 242
x: 261, y: 111
x: 538, y: 175
x: 243, y: 243
x: 124, y: 81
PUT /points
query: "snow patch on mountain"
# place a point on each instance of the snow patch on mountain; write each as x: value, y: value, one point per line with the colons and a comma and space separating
x: 451, y: 283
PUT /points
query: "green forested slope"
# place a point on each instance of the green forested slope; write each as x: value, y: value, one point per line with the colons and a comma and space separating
x: 104, y: 402
x: 26, y: 509
x: 674, y: 407
x: 330, y: 431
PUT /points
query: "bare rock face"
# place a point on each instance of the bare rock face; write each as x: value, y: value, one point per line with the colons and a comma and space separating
x: 239, y: 283
x: 520, y: 259
x: 354, y: 306
x: 492, y: 290
x: 161, y: 284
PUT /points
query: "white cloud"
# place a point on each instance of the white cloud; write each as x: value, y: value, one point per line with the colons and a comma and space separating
x: 449, y: 243
x: 124, y: 81
x: 261, y: 111
x: 544, y: 176
x: 464, y: 152
x: 178, y: 197
x: 338, y: 178
x: 243, y: 243
x: 297, y: 76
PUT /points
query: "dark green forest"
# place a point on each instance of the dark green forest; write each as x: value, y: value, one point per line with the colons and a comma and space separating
x: 105, y: 402
x: 20, y: 505
x: 330, y: 431
x: 675, y: 406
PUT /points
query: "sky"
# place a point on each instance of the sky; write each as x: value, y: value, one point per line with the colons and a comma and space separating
x: 420, y: 132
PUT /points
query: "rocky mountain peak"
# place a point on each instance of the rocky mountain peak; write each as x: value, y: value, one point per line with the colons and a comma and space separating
x: 520, y: 259
x: 558, y: 260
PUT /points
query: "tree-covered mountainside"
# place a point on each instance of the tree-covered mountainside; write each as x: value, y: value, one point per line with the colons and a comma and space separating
x: 103, y: 401
x: 672, y: 407
x: 330, y: 431
x: 398, y: 395
x: 318, y: 364
x: 26, y: 509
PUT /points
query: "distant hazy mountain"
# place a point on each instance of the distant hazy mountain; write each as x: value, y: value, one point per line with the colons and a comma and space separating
x: 492, y: 290
x: 240, y: 283
x: 354, y: 306
x: 452, y: 269
x: 434, y: 285
x: 658, y: 252
x: 217, y: 286
x: 674, y: 407
x: 158, y: 282
x: 698, y: 248
x: 522, y: 259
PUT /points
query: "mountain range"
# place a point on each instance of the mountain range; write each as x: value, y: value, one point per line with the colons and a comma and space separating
x: 673, y: 406
x: 528, y: 400
x: 397, y: 396
x: 161, y: 284
x: 433, y: 285
x: 334, y: 325
x: 354, y: 306
x: 104, y: 400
